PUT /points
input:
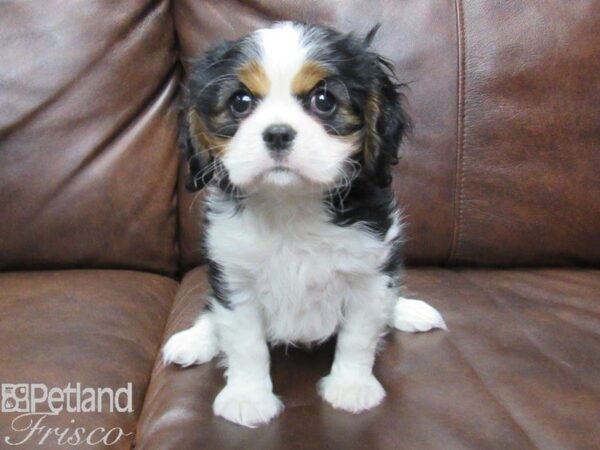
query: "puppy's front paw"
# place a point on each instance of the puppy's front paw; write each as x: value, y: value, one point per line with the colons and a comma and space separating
x: 247, y: 406
x: 195, y: 345
x: 415, y: 315
x: 351, y: 392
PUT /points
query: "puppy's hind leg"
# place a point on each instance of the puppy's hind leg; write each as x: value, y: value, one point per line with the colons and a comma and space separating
x: 414, y: 316
x: 196, y: 345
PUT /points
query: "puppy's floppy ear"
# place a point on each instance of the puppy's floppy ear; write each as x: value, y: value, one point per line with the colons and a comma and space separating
x: 197, y: 98
x: 192, y: 139
x: 385, y: 118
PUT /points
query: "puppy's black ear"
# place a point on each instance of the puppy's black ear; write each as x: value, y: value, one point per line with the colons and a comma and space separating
x: 195, y: 149
x: 198, y: 98
x: 386, y: 121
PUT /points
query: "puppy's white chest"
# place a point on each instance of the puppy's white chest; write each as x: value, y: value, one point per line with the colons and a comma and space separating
x: 300, y: 270
x: 301, y: 289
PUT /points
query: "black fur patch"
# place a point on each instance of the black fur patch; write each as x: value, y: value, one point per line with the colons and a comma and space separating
x: 366, y: 203
x: 216, y: 278
x: 363, y: 202
x: 217, y: 283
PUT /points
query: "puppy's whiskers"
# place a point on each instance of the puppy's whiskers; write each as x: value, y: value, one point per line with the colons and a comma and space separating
x: 341, y: 188
x: 205, y: 151
x: 332, y: 128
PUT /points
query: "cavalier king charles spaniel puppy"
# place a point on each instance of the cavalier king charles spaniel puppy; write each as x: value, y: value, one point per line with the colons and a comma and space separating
x: 293, y: 130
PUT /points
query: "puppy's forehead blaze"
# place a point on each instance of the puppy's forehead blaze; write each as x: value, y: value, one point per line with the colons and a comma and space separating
x: 253, y: 75
x: 307, y: 77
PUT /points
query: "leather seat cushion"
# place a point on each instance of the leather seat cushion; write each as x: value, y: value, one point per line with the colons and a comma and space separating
x: 519, y: 368
x: 101, y: 329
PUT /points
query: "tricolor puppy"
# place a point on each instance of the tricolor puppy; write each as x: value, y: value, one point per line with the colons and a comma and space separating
x: 293, y: 129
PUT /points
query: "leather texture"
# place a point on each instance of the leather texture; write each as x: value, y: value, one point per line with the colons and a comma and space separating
x: 528, y: 171
x: 502, y: 169
x: 98, y: 328
x: 519, y: 368
x: 88, y: 158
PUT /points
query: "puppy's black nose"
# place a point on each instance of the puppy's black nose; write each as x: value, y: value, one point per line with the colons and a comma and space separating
x: 278, y: 137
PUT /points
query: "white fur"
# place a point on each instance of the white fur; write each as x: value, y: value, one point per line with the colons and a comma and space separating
x: 351, y: 385
x: 415, y: 315
x: 247, y: 405
x: 283, y: 251
x: 196, y: 345
x: 248, y: 397
x: 352, y: 393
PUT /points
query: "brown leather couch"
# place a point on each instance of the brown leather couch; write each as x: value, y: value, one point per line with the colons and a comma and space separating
x: 500, y: 184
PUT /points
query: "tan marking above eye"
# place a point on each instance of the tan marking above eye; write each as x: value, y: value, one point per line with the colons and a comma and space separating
x: 307, y: 78
x: 254, y: 78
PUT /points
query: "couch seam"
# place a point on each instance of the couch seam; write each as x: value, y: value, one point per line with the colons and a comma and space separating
x: 177, y: 200
x: 155, y: 366
x: 459, y: 176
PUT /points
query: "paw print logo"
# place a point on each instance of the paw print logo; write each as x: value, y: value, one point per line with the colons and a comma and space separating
x: 15, y: 398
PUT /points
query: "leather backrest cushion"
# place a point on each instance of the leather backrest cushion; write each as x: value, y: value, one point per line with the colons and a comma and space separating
x: 528, y: 171
x: 88, y: 161
x: 503, y: 166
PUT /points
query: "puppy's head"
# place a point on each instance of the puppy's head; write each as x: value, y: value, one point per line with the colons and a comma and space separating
x: 293, y: 105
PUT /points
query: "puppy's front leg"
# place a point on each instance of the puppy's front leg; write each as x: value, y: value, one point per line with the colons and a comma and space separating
x: 351, y: 385
x: 247, y: 398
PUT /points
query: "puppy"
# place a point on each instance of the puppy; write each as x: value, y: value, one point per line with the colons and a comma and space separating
x: 293, y: 129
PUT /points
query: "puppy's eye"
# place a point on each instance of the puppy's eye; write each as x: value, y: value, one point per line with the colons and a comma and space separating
x: 241, y: 103
x: 322, y: 102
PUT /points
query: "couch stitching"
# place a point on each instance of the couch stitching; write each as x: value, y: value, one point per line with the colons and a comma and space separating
x: 459, y: 179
